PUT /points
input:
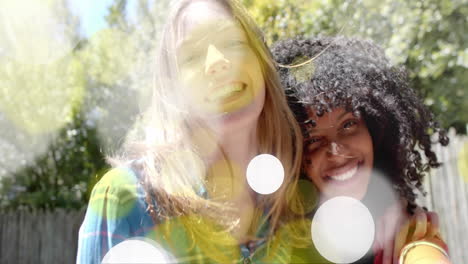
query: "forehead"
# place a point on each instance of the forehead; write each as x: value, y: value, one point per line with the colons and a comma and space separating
x: 202, y: 13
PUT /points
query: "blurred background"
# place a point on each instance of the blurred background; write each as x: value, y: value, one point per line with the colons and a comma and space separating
x: 75, y: 74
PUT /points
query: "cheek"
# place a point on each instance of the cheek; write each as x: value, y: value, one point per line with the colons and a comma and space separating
x: 251, y: 71
x: 255, y: 69
x: 311, y: 167
x: 260, y: 95
x: 194, y: 98
x: 313, y: 175
x: 360, y: 142
x: 190, y: 85
x: 367, y: 145
x: 254, y: 65
x: 258, y: 81
x: 249, y: 63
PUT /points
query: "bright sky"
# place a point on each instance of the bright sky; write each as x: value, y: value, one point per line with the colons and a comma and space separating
x: 92, y: 13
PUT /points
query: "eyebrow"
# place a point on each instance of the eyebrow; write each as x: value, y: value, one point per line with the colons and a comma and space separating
x: 222, y: 28
x: 344, y: 114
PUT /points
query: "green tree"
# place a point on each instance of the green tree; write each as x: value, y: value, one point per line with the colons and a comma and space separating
x: 46, y: 142
x: 120, y: 62
x: 60, y: 177
x: 63, y: 116
x: 428, y: 37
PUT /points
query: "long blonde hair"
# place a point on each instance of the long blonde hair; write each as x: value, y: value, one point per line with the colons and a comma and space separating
x: 173, y: 167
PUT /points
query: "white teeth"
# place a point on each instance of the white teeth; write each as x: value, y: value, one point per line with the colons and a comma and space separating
x: 224, y: 92
x: 346, y: 175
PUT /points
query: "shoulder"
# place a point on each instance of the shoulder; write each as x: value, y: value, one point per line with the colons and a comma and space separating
x: 116, y: 212
x: 117, y: 194
x: 115, y: 177
x: 117, y: 183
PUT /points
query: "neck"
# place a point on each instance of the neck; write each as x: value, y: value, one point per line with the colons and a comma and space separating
x: 237, y: 149
x: 240, y: 147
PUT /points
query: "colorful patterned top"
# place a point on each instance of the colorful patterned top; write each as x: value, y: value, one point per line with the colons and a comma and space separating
x: 117, y: 212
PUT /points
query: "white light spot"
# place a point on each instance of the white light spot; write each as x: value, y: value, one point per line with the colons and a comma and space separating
x: 138, y: 250
x: 265, y: 174
x: 343, y: 230
x: 34, y: 32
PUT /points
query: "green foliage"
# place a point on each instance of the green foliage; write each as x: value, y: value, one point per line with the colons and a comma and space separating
x: 59, y: 119
x: 428, y: 37
x: 119, y: 63
x: 116, y: 15
x: 60, y: 177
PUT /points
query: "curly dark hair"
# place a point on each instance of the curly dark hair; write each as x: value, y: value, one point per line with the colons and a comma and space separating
x: 356, y: 75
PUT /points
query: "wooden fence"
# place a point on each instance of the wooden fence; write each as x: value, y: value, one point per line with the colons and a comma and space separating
x: 447, y: 189
x: 39, y: 237
x: 46, y: 237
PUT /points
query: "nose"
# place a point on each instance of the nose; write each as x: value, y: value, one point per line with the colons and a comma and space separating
x: 334, y: 148
x: 215, y: 61
x: 337, y: 151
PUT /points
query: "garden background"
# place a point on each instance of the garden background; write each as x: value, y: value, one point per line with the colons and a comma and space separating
x: 68, y: 98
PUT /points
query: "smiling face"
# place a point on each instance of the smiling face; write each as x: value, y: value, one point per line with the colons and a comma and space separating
x: 219, y: 71
x: 341, y: 155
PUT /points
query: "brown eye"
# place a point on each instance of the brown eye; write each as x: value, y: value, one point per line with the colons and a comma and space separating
x: 313, y: 143
x: 350, y: 125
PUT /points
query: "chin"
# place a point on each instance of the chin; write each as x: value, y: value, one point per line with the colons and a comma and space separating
x: 357, y: 194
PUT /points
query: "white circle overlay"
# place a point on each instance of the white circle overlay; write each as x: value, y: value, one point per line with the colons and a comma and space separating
x: 343, y: 230
x: 138, y: 250
x: 265, y: 174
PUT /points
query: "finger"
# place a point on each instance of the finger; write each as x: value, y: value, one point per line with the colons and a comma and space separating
x: 383, y: 248
x: 387, y: 236
x: 420, y: 225
x: 434, y: 224
x: 394, y: 217
x: 387, y: 253
x: 400, y: 239
x: 379, y: 235
x: 400, y: 230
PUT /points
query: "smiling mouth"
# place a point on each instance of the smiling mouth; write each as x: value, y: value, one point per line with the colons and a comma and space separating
x: 344, y: 173
x: 225, y: 92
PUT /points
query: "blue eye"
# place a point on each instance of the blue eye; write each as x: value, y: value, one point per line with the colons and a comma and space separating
x: 235, y: 43
x: 189, y: 59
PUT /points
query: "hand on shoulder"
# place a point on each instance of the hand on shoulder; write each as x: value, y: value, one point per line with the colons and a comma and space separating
x: 397, y: 228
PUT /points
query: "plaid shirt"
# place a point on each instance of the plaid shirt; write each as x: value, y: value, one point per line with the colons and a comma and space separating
x: 117, y: 211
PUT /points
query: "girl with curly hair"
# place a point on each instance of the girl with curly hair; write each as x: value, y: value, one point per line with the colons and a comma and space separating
x: 363, y: 126
x: 181, y: 183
